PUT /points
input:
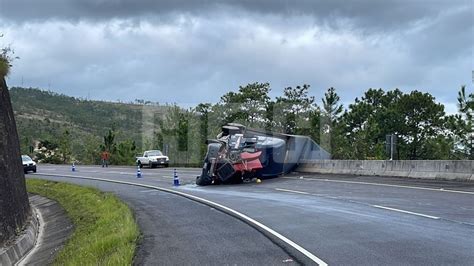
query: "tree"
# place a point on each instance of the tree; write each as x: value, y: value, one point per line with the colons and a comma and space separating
x: 65, y: 146
x: 157, y: 140
x: 91, y: 150
x: 182, y: 132
x: 109, y: 142
x: 331, y: 112
x: 466, y: 103
x: 315, y: 122
x: 417, y: 120
x: 125, y: 153
x: 271, y: 117
x: 248, y: 105
x: 169, y: 128
x: 421, y: 120
x: 292, y: 111
x: 331, y: 107
x: 463, y: 124
x: 203, y: 110
x: 367, y: 121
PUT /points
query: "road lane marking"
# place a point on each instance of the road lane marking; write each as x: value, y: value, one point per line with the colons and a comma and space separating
x: 386, y: 185
x: 177, y: 170
x: 407, y: 212
x: 292, y: 191
x: 148, y: 191
x: 118, y: 173
x: 375, y: 206
x: 228, y: 210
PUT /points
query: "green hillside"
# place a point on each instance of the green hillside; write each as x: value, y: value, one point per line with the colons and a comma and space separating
x: 44, y: 116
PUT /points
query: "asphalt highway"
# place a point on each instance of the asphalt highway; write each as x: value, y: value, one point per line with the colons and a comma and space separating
x: 341, y: 220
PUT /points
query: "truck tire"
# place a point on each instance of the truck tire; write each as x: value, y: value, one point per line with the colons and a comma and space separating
x: 203, y: 181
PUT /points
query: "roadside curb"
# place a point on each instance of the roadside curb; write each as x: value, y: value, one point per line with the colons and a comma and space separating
x: 24, y: 243
x: 297, y: 252
x: 55, y: 229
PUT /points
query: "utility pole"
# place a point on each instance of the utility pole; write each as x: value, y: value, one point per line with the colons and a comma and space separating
x: 390, y: 145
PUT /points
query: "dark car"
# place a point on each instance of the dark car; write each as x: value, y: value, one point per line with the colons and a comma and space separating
x: 28, y: 164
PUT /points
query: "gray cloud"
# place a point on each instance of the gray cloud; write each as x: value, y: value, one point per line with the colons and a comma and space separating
x: 365, y: 13
x: 194, y: 51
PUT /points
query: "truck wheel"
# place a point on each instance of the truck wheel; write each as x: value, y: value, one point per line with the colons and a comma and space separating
x: 203, y: 180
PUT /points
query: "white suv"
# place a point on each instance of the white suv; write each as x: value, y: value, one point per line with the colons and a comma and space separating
x: 28, y: 164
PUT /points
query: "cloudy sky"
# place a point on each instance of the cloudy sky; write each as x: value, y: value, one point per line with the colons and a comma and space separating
x: 194, y: 51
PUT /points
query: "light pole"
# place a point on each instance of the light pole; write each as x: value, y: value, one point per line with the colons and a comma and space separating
x: 391, y: 147
x: 390, y: 144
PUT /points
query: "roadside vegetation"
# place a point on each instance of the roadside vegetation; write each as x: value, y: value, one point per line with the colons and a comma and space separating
x: 56, y: 128
x: 105, y: 231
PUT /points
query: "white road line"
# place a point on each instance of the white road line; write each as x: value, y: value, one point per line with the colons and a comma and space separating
x: 148, y: 191
x: 292, y: 191
x: 407, y: 212
x: 242, y: 216
x: 386, y: 185
x: 179, y: 171
x: 376, y: 206
x: 119, y: 173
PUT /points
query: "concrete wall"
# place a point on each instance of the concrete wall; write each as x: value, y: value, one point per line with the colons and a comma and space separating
x: 447, y: 170
x: 14, y: 205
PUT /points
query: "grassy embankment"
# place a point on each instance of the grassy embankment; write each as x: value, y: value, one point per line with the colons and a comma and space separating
x: 105, y: 231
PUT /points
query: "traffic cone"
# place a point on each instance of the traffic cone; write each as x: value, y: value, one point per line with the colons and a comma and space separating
x: 139, y: 172
x: 73, y: 167
x: 175, y: 178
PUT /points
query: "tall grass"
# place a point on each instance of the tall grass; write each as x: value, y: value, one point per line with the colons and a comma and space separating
x: 105, y: 230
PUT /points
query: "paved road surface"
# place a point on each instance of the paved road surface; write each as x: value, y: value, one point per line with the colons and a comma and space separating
x: 340, y: 219
x: 176, y: 230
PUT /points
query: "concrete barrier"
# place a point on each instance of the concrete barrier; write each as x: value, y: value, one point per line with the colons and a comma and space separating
x: 11, y: 254
x: 445, y: 170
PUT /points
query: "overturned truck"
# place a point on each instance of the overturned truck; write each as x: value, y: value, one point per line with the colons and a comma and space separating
x: 239, y: 154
